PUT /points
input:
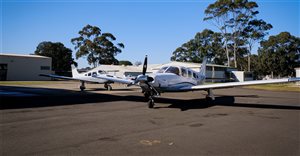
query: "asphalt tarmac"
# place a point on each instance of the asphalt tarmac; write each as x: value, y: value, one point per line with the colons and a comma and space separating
x: 57, y: 119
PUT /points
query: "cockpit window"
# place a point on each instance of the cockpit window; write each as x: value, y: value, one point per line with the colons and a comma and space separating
x: 174, y: 70
x: 190, y: 73
x: 101, y: 72
x: 162, y: 70
x: 183, y: 72
x: 195, y: 75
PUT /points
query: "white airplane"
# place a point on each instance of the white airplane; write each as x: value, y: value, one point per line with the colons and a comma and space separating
x: 88, y: 76
x: 179, y: 79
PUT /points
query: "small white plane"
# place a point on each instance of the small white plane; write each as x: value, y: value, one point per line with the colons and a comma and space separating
x: 179, y: 79
x: 88, y: 76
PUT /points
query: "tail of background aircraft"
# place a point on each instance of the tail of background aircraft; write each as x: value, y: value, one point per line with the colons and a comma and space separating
x: 203, y: 69
x: 74, y: 71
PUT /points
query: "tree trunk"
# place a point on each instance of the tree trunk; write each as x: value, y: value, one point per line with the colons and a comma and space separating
x: 249, y: 58
x: 249, y: 62
x: 234, y: 55
x: 227, y: 54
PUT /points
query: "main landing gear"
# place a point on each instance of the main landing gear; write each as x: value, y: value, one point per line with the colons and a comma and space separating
x: 210, y: 95
x: 82, y: 86
x: 107, y: 87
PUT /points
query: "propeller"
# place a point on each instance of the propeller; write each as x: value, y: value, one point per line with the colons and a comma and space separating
x: 144, y: 77
x: 145, y: 65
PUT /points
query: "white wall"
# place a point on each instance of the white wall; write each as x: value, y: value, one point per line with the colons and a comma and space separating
x: 297, y: 72
x: 25, y: 68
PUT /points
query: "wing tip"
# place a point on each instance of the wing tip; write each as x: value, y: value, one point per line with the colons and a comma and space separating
x: 294, y: 79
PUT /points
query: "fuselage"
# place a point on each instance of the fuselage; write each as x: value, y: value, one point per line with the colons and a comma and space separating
x: 172, y: 78
x: 88, y: 76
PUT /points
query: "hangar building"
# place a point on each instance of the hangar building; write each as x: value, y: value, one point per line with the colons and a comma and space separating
x: 18, y: 67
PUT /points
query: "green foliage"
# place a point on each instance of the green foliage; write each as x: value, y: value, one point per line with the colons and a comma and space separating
x: 279, y: 54
x: 61, y: 56
x: 231, y: 18
x: 99, y: 48
x: 204, y: 43
x: 125, y: 62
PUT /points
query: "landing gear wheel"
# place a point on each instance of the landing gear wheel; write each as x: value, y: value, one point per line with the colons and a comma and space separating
x: 82, y: 88
x: 107, y: 87
x: 208, y: 99
x: 150, y: 103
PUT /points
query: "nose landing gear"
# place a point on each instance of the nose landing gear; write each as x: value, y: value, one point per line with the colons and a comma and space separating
x: 149, y: 93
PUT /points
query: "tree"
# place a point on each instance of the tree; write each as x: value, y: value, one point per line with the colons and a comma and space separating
x: 279, y: 55
x: 204, y: 43
x: 125, y: 62
x: 219, y: 16
x: 255, y: 31
x: 98, y: 47
x: 61, y: 56
x: 231, y: 17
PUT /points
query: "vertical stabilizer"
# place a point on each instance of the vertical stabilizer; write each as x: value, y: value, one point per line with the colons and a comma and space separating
x: 75, y: 73
x: 203, y: 68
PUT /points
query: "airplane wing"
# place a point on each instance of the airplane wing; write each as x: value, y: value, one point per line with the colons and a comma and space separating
x: 58, y: 77
x: 114, y: 79
x: 70, y: 78
x: 236, y: 84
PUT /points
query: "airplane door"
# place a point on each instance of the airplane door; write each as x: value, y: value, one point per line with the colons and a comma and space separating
x: 3, y: 72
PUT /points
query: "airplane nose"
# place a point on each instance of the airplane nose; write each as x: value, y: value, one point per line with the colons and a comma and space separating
x: 150, y: 79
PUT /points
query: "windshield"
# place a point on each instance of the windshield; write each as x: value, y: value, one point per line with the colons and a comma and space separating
x: 174, y: 70
x: 162, y: 70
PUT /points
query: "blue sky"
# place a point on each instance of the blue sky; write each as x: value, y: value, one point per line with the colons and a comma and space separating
x: 155, y: 28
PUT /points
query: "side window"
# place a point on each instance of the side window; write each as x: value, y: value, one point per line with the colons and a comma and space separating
x: 89, y: 74
x: 194, y: 75
x: 190, y: 74
x: 94, y: 73
x: 183, y: 72
x: 85, y: 74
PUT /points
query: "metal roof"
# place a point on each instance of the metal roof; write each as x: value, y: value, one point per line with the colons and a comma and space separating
x: 23, y: 55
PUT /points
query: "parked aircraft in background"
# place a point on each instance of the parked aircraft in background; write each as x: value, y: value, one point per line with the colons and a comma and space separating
x: 88, y: 76
x: 179, y: 79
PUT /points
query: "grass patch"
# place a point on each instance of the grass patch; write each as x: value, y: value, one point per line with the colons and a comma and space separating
x: 277, y: 87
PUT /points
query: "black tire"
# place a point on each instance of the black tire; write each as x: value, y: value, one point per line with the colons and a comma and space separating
x: 109, y: 88
x: 150, y: 103
x: 82, y: 88
x: 209, y: 99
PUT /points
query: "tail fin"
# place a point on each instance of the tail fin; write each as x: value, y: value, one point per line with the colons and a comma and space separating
x: 74, y: 71
x: 203, y: 68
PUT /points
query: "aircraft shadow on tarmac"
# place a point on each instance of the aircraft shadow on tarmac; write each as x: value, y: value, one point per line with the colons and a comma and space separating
x: 60, y: 97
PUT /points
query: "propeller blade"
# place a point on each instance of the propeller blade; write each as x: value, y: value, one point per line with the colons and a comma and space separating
x: 145, y: 66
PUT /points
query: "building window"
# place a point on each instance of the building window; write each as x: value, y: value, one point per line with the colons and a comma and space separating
x: 45, y: 67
